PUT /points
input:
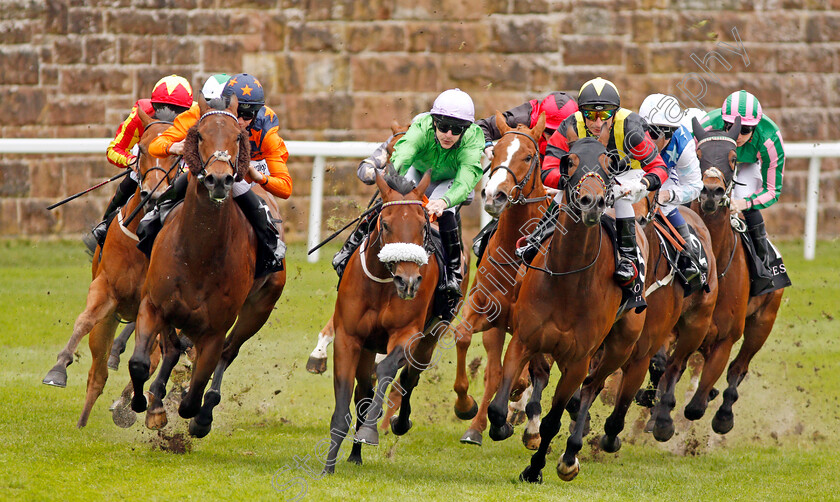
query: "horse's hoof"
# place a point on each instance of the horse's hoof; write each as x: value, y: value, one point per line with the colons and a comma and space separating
x: 723, y: 422
x: 713, y: 394
x: 157, y: 419
x: 122, y: 415
x: 646, y: 398
x: 330, y: 469
x: 531, y: 440
x: 354, y: 459
x: 517, y: 417
x: 138, y: 403
x: 663, y: 430
x: 395, y: 426
x: 501, y: 433
x: 57, y: 377
x: 367, y: 435
x: 472, y: 436
x: 469, y: 414
x: 566, y: 472
x: 531, y: 476
x: 609, y: 444
x: 198, y: 430
x: 113, y: 362
x: 649, y: 424
x: 316, y: 366
x: 693, y: 414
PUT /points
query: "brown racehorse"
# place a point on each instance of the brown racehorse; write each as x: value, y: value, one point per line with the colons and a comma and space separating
x: 384, y: 304
x: 317, y: 362
x: 567, y: 305
x: 736, y: 312
x: 668, y: 312
x: 201, y: 272
x: 118, y: 272
x: 516, y: 196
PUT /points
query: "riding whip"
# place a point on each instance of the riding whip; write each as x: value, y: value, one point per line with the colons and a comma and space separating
x: 68, y: 199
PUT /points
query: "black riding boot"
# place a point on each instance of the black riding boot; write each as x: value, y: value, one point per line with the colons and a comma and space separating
x: 451, y: 240
x: 342, y: 257
x: 755, y: 226
x: 97, y: 235
x: 690, y: 254
x: 151, y: 224
x: 544, y: 228
x: 627, y: 268
x: 270, y: 249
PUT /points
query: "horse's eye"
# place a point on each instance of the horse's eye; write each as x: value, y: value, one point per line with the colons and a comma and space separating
x: 198, y: 136
x: 385, y: 227
x: 528, y: 158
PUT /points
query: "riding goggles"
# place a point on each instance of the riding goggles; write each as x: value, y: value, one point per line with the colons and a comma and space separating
x: 456, y: 129
x: 598, y: 114
x: 247, y: 111
x: 745, y: 129
x: 662, y: 131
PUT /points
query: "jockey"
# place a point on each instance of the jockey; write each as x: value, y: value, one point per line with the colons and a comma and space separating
x: 756, y: 186
x: 447, y: 142
x: 629, y: 143
x: 666, y: 126
x: 557, y: 107
x: 268, y: 164
x: 171, y: 95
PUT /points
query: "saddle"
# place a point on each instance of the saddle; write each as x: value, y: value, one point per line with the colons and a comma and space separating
x: 671, y: 243
x: 479, y: 244
x: 764, y: 277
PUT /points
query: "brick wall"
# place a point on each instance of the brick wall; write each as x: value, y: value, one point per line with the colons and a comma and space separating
x: 344, y: 69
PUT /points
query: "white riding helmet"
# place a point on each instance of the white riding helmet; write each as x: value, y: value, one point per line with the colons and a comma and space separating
x: 214, y: 86
x: 693, y: 113
x: 662, y: 110
x: 454, y: 103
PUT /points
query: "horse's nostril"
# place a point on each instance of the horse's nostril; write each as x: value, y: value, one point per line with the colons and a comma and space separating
x: 229, y: 180
x: 601, y: 202
x: 144, y: 194
x: 586, y: 201
x: 719, y: 191
x: 483, y: 193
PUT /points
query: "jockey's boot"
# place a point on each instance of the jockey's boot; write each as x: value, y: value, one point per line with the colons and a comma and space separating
x: 270, y: 249
x: 627, y: 268
x: 342, y: 257
x: 755, y: 227
x: 98, y: 233
x: 544, y: 228
x: 451, y: 240
x: 690, y: 254
x: 151, y: 224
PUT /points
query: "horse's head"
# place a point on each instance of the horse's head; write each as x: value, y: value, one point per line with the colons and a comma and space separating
x: 516, y: 160
x: 217, y: 150
x: 586, y: 176
x: 402, y: 226
x: 716, y: 151
x: 155, y: 174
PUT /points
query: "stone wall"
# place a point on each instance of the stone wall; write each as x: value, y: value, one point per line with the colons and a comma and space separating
x: 344, y: 69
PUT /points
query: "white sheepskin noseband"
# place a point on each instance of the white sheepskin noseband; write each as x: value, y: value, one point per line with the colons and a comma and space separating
x: 403, y: 251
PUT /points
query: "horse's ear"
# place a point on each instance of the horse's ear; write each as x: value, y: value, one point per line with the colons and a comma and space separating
x: 539, y: 127
x: 384, y: 189
x: 234, y: 104
x: 424, y: 183
x: 697, y: 129
x: 395, y: 127
x: 571, y: 135
x: 191, y: 151
x: 500, y: 123
x: 735, y: 130
x: 144, y: 117
x: 203, y: 107
x: 604, y: 137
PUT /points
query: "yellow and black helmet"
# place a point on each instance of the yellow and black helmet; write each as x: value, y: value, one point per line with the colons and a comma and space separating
x: 598, y: 94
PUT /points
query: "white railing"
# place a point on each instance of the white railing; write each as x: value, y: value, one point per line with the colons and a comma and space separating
x: 321, y: 150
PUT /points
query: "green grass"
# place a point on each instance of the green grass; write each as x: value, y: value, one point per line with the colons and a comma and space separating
x: 274, y: 415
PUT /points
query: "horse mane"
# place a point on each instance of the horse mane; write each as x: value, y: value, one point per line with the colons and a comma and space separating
x: 165, y: 114
x: 193, y: 160
x: 399, y: 183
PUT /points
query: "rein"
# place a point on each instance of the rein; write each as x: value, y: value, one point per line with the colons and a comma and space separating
x: 570, y: 272
x: 392, y: 253
x: 535, y: 162
x: 218, y: 155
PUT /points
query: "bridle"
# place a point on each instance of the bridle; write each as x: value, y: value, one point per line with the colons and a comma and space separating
x: 714, y: 172
x: 218, y: 155
x: 166, y: 172
x: 392, y: 253
x: 520, y: 185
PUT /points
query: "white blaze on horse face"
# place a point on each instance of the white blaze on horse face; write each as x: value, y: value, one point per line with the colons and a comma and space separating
x: 500, y: 175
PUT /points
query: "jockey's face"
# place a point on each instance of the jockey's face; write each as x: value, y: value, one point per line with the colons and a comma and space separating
x: 447, y: 139
x: 244, y: 123
x: 745, y: 134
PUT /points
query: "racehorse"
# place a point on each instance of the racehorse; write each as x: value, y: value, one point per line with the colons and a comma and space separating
x: 384, y: 304
x: 567, y: 306
x: 118, y: 271
x: 736, y: 312
x: 516, y: 196
x: 668, y: 312
x: 201, y: 273
x: 317, y: 362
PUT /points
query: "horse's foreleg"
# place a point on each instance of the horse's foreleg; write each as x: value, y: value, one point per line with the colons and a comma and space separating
x: 716, y: 358
x: 540, y: 370
x: 317, y: 362
x: 632, y: 377
x: 100, y: 304
x: 171, y: 352
x: 465, y: 405
x: 515, y: 358
x: 756, y: 331
x: 385, y: 373
x: 363, y: 396
x: 409, y: 377
x: 100, y: 344
x: 149, y: 324
x: 118, y: 347
x: 345, y: 363
x: 208, y: 353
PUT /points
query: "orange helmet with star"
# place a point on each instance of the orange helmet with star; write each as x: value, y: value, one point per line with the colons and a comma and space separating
x: 173, y: 90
